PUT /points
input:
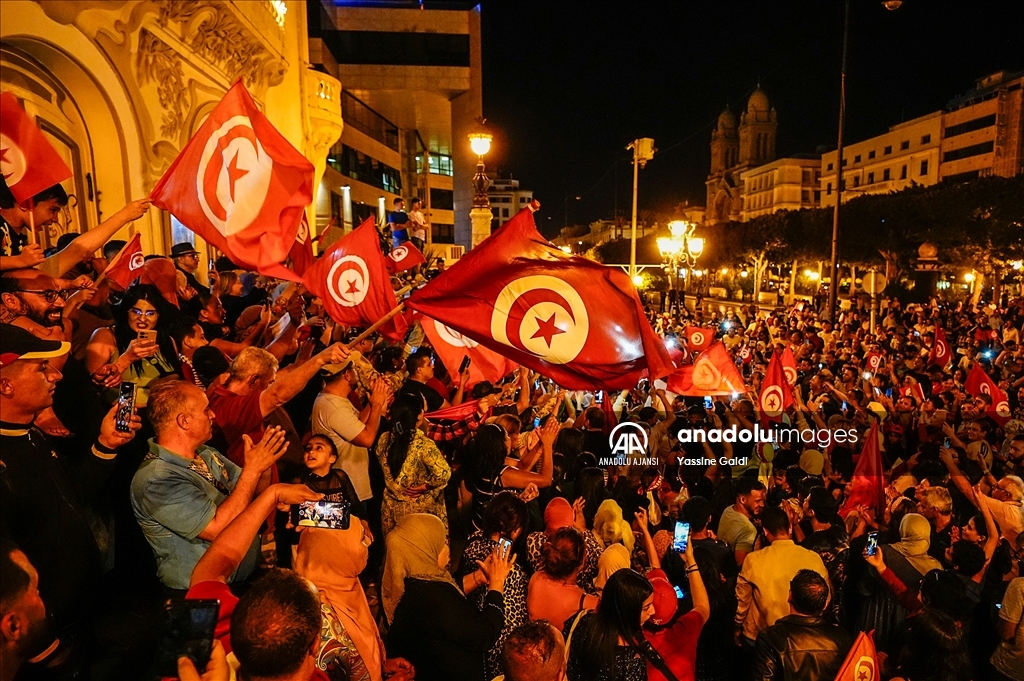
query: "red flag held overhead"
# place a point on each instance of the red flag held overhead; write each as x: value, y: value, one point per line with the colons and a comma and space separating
x: 240, y: 185
x: 868, y: 484
x: 698, y: 338
x: 940, y: 354
x: 451, y: 346
x: 714, y: 373
x: 28, y: 162
x: 569, y: 318
x: 789, y: 366
x: 405, y: 257
x: 979, y: 383
x: 302, y: 248
x: 861, y: 662
x: 352, y: 280
x: 776, y: 394
x: 127, y: 265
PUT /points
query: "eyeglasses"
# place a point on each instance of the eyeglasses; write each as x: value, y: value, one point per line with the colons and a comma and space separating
x: 148, y: 314
x: 49, y: 295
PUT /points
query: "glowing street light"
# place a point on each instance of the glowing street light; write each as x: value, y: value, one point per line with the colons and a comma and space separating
x: 638, y: 281
x: 480, y: 143
x: 969, y: 277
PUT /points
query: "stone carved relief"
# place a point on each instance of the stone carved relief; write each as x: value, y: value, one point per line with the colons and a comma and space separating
x: 214, y: 33
x: 157, y: 62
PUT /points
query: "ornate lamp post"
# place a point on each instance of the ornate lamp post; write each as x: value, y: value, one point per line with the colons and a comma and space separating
x: 682, y: 248
x: 480, y: 215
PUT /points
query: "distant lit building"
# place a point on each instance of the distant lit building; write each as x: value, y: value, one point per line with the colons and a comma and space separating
x: 907, y: 154
x: 412, y: 90
x: 507, y: 199
x: 783, y: 184
x: 735, y: 149
x: 983, y: 130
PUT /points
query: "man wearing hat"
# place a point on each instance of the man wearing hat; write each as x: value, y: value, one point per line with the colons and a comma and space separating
x: 44, y: 496
x: 186, y: 261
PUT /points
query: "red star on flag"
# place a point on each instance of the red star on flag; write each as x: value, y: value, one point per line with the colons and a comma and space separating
x: 234, y: 174
x: 546, y: 329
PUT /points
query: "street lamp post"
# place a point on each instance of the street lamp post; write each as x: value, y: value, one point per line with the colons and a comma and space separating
x: 682, y: 248
x: 643, y: 151
x: 480, y: 215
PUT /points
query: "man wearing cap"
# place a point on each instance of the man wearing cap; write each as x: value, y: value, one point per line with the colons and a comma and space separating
x: 186, y: 261
x: 44, y: 496
x: 352, y: 432
x: 802, y: 646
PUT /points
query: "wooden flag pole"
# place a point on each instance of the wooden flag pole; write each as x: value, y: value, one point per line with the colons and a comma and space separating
x: 376, y: 325
x: 31, y: 221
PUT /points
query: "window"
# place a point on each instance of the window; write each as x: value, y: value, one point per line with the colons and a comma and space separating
x: 805, y: 176
x: 442, y: 199
x: 817, y: 195
x: 369, y: 122
x: 967, y: 152
x: 504, y: 212
x: 887, y: 150
x: 903, y: 173
x: 844, y: 162
x: 871, y: 154
x: 392, y: 48
x: 970, y: 126
x: 925, y: 139
x: 856, y: 159
x: 871, y: 178
x: 856, y: 182
x: 904, y: 145
x: 886, y: 174
x: 441, y: 165
x: 924, y: 168
x: 443, y: 234
x: 831, y: 166
x: 805, y: 196
x: 359, y: 166
x: 828, y: 189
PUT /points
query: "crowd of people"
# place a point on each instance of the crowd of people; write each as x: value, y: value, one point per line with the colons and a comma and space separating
x: 501, y: 541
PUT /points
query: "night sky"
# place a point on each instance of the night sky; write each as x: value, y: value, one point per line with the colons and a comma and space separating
x: 567, y: 85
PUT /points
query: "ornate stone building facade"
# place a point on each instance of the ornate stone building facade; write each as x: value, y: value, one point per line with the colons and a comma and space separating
x: 735, y: 149
x: 119, y: 86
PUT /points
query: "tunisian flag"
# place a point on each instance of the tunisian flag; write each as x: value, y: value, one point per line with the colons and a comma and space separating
x: 403, y: 258
x: 868, y: 485
x: 861, y: 662
x: 127, y: 265
x: 789, y: 365
x: 451, y: 346
x: 353, y: 282
x: 776, y: 394
x: 714, y: 373
x: 302, y: 248
x: 567, y: 317
x: 240, y: 185
x: 979, y: 383
x: 940, y: 353
x: 28, y: 162
x: 699, y: 339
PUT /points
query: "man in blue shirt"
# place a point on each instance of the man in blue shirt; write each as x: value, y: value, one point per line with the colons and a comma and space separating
x: 398, y: 223
x: 184, y: 493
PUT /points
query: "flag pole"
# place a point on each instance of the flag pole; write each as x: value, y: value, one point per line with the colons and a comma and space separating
x: 117, y: 258
x: 32, y: 221
x: 376, y: 325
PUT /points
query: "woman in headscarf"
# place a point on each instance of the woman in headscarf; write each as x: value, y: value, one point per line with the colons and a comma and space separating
x: 614, y: 558
x: 909, y: 560
x: 433, y: 625
x: 415, y: 471
x: 332, y: 560
x: 610, y: 528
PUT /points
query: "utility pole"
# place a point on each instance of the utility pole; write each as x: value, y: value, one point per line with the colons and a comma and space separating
x: 643, y: 151
x: 833, y: 286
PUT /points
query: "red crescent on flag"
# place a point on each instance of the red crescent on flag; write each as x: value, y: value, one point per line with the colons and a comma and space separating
x: 217, y: 165
x: 137, y: 261
x: 348, y: 280
x: 520, y: 309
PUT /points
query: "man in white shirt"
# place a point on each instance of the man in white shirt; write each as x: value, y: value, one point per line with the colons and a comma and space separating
x: 352, y: 432
x: 417, y: 225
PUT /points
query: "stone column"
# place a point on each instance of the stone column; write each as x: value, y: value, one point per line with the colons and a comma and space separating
x: 481, y: 222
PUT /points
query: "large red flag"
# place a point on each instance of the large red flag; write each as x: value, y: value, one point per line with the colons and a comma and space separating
x: 789, y: 365
x: 28, y: 162
x: 608, y: 409
x: 240, y: 185
x: 404, y: 257
x: 698, y: 338
x: 714, y: 373
x: 567, y: 317
x: 861, y: 662
x: 302, y: 248
x: 451, y: 346
x: 940, y: 353
x: 776, y: 394
x: 868, y: 484
x: 873, y: 361
x: 127, y: 265
x: 979, y: 383
x: 353, y: 282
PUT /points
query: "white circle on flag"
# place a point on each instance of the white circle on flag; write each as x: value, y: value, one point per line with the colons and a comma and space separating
x: 1003, y: 409
x: 941, y: 349
x: 790, y: 373
x: 12, y: 161
x: 541, y: 315
x: 864, y: 670
x: 137, y: 261
x: 772, y: 400
x: 874, y: 361
x: 453, y: 337
x: 398, y: 254
x: 706, y: 375
x: 233, y: 171
x: 303, y: 232
x: 985, y: 389
x: 697, y: 338
x: 348, y: 280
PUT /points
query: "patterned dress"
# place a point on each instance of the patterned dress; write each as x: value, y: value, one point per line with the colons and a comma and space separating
x: 423, y: 464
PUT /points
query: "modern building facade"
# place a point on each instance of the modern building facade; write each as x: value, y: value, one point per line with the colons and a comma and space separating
x: 907, y: 154
x: 507, y: 198
x: 735, y: 149
x: 120, y: 87
x: 983, y: 130
x: 783, y: 184
x: 411, y: 93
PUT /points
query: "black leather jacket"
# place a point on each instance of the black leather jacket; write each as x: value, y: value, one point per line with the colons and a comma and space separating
x: 798, y: 648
